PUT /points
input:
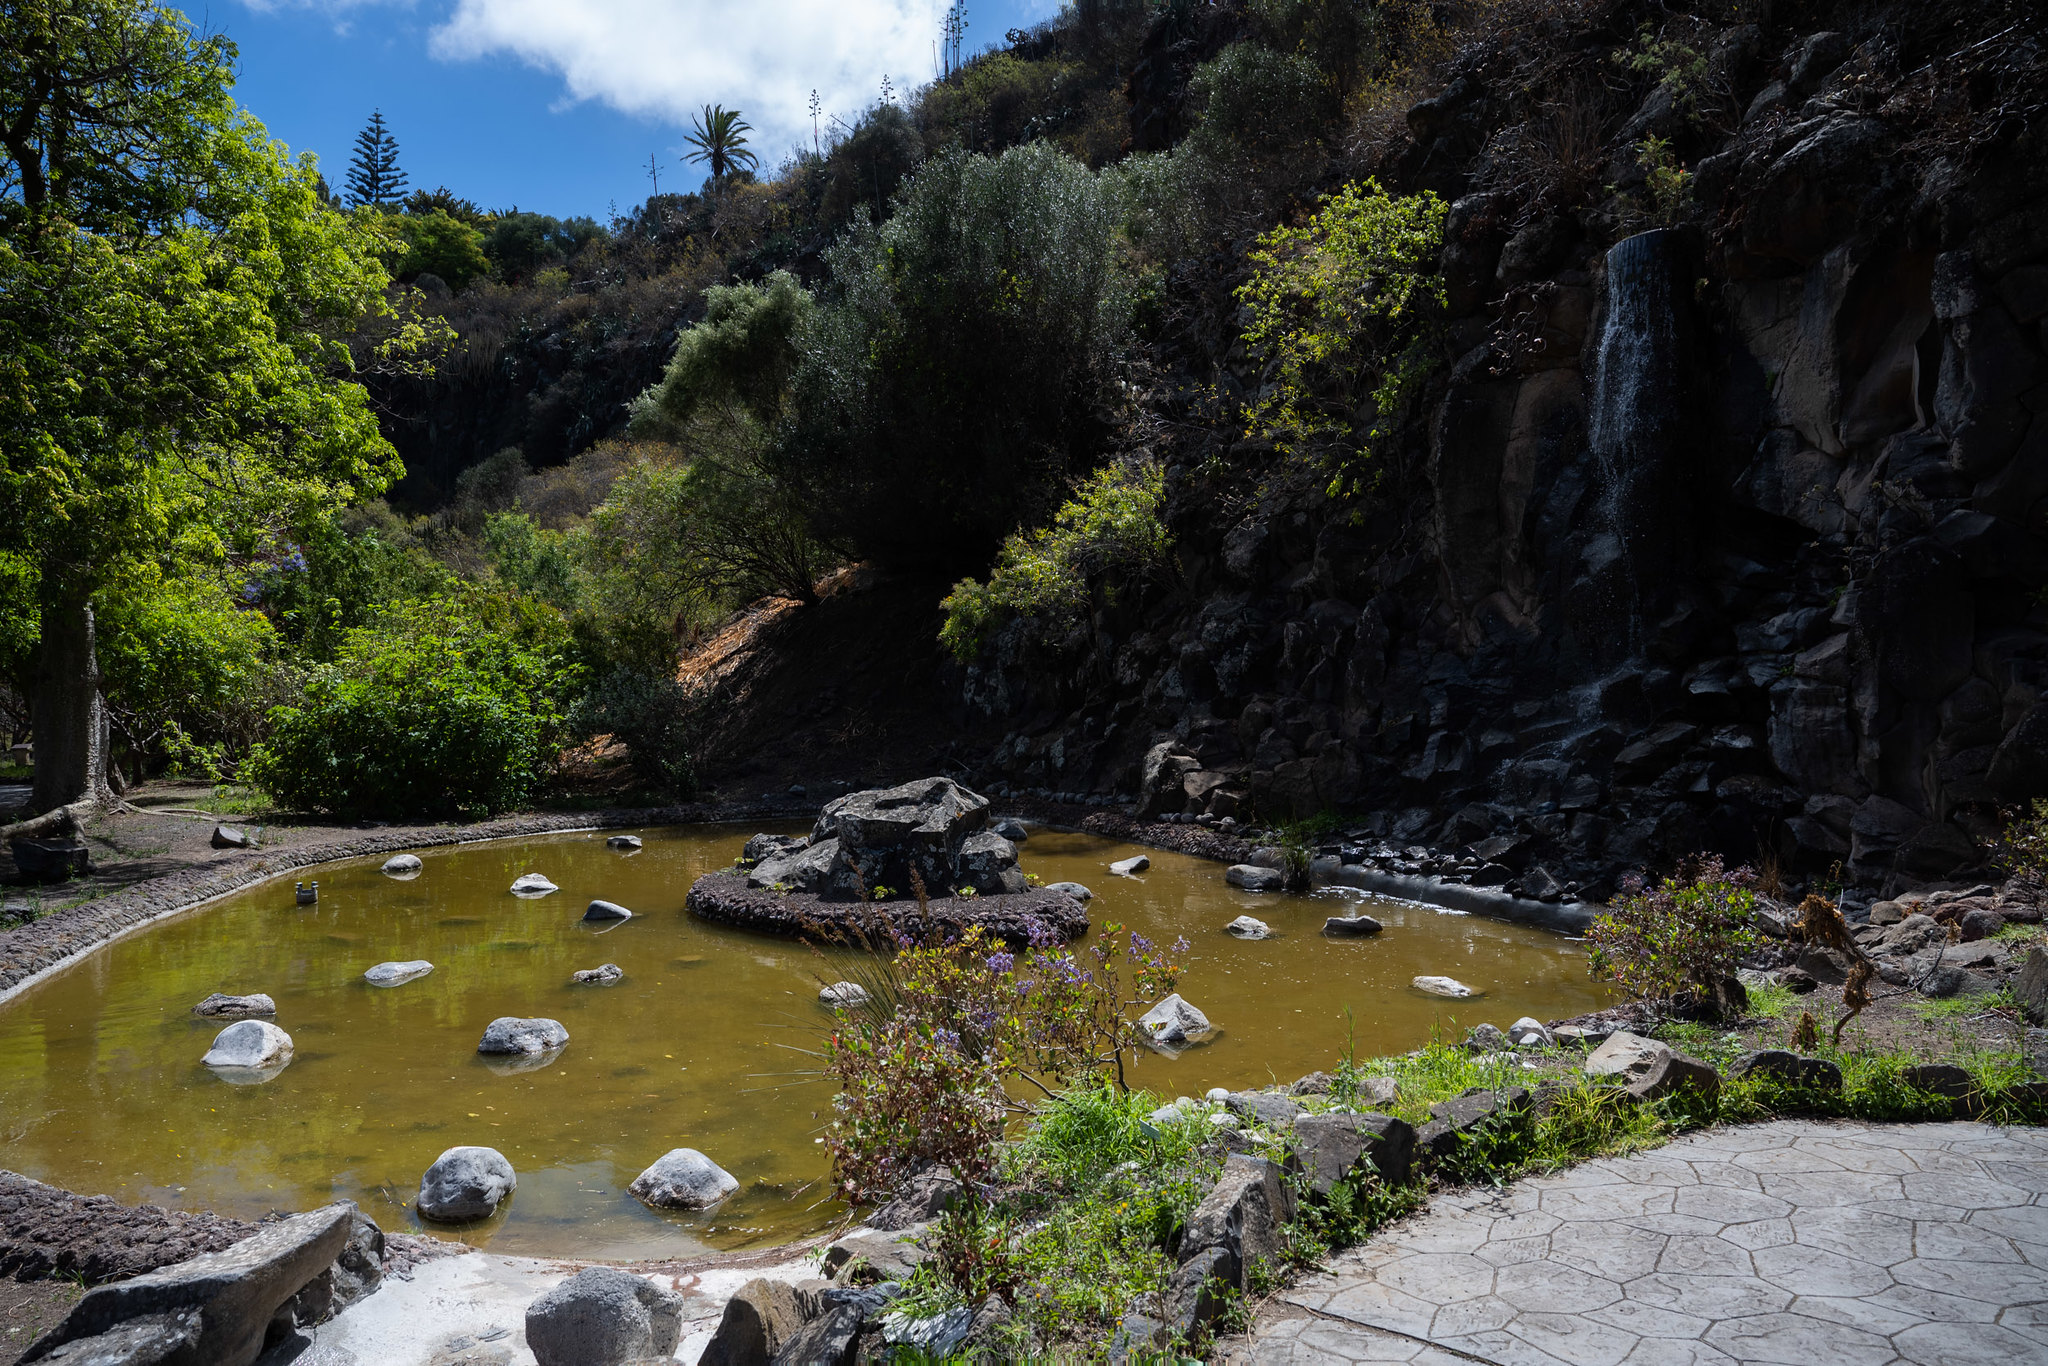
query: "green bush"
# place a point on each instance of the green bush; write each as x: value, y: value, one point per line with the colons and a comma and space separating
x: 1681, y: 938
x: 440, y: 245
x: 960, y: 362
x: 654, y: 716
x: 1113, y: 523
x: 442, y: 708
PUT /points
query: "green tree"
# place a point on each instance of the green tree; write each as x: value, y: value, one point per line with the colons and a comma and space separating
x: 176, y: 301
x: 374, y: 179
x: 437, y: 243
x: 717, y: 137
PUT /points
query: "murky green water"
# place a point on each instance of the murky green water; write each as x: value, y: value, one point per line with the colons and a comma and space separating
x: 101, y: 1088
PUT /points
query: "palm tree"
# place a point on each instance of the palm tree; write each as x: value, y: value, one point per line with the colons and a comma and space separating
x: 716, y: 136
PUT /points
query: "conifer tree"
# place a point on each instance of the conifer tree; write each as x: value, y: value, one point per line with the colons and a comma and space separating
x: 373, y: 174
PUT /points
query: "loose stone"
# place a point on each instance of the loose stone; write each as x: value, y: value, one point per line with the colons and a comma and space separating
x: 397, y: 974
x: 683, y: 1178
x: 227, y: 837
x: 1072, y: 889
x: 1173, y: 1022
x: 402, y: 866
x: 532, y: 884
x: 607, y: 910
x: 218, y: 1005
x: 1625, y: 1054
x: 843, y: 996
x: 1529, y: 1032
x: 601, y: 976
x: 623, y: 842
x: 603, y: 1316
x: 1442, y: 986
x: 465, y: 1184
x: 1351, y: 926
x: 1130, y: 867
x: 1252, y: 878
x: 512, y: 1034
x: 250, y: 1044
x: 1244, y: 927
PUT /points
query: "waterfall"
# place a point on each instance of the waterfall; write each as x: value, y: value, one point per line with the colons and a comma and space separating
x: 1635, y: 422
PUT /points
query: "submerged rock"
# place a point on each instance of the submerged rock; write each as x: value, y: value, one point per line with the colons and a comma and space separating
x: 843, y: 995
x: 606, y: 910
x: 1174, y: 1022
x: 1072, y: 889
x: 601, y: 976
x: 532, y: 884
x: 397, y: 974
x: 1245, y: 927
x: 466, y: 1184
x: 1132, y: 866
x: 683, y: 1178
x: 628, y: 842
x: 1442, y: 986
x: 252, y: 1045
x: 603, y: 1316
x: 219, y: 1005
x: 514, y: 1034
x: 1252, y: 878
x: 402, y: 866
x: 1351, y: 926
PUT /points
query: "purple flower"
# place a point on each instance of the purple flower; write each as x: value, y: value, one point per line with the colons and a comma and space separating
x: 949, y: 1037
x: 1180, y: 945
x: 1042, y: 935
x: 1001, y: 961
x: 252, y: 592
x: 1139, y: 943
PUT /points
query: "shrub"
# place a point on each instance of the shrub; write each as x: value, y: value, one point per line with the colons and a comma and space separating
x: 655, y: 717
x: 738, y: 358
x: 960, y: 360
x: 1682, y: 938
x: 2023, y: 844
x: 1341, y: 311
x: 1113, y: 523
x: 444, y: 707
x: 438, y: 244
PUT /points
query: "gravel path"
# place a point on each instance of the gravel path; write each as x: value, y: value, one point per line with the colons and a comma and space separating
x: 1789, y: 1242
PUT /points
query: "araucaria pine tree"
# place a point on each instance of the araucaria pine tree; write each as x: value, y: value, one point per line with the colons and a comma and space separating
x: 373, y: 173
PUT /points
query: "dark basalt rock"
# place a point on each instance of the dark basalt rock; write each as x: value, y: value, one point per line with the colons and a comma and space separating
x: 930, y: 831
x: 726, y: 899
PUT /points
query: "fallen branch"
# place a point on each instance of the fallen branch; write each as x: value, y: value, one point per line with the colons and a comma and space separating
x: 58, y: 820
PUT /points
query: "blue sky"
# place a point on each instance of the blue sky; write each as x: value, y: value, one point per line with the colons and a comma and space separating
x: 555, y: 105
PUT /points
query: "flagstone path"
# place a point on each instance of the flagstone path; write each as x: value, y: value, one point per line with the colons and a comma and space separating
x: 1795, y: 1243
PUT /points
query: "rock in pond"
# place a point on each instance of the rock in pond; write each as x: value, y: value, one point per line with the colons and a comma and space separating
x: 1253, y: 878
x: 216, y: 1308
x: 398, y: 974
x: 402, y: 866
x: 1130, y: 867
x: 1442, y: 986
x: 466, y: 1184
x: 514, y: 1034
x: 627, y: 842
x: 606, y: 910
x: 250, y: 1045
x: 532, y: 884
x: 1351, y: 926
x: 1174, y: 1022
x: 1245, y: 927
x: 1072, y: 889
x: 602, y: 975
x: 227, y: 837
x: 603, y: 1316
x: 843, y: 995
x: 218, y: 1005
x: 683, y: 1178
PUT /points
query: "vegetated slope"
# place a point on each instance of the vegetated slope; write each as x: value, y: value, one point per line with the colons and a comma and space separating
x: 1786, y: 609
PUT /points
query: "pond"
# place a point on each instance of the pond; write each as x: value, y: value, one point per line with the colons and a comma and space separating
x: 102, y: 1091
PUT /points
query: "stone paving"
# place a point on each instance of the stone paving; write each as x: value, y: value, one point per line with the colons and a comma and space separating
x: 1796, y: 1243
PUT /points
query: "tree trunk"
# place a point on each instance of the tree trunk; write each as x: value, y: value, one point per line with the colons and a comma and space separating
x: 70, y: 718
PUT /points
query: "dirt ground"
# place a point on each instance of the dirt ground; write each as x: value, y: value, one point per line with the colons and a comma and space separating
x: 28, y: 1309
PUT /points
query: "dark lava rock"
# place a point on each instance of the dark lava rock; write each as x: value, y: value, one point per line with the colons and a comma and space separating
x: 726, y: 899
x: 1328, y: 1148
x: 1789, y: 1068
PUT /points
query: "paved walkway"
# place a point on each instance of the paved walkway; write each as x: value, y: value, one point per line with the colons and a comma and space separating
x: 1798, y: 1242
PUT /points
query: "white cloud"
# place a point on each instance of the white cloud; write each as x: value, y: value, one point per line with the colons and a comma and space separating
x: 667, y: 59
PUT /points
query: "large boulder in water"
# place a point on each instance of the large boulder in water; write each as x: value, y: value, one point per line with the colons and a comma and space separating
x: 933, y: 827
x: 514, y: 1034
x: 683, y: 1178
x: 466, y: 1184
x: 250, y: 1044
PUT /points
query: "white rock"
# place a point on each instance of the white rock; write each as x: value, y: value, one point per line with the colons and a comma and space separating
x: 532, y: 884
x: 683, y: 1178
x: 607, y: 910
x: 402, y: 866
x: 1625, y: 1054
x: 1072, y: 889
x: 1217, y: 1093
x: 1223, y: 1119
x: 1173, y: 1021
x: 843, y: 995
x: 249, y: 1044
x: 1253, y: 878
x: 1130, y: 867
x: 512, y: 1034
x: 1530, y: 1032
x: 1245, y: 927
x: 397, y: 974
x: 465, y: 1184
x: 1442, y: 986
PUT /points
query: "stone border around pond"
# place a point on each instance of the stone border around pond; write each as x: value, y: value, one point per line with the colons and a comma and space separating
x: 29, y: 953
x: 726, y: 899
